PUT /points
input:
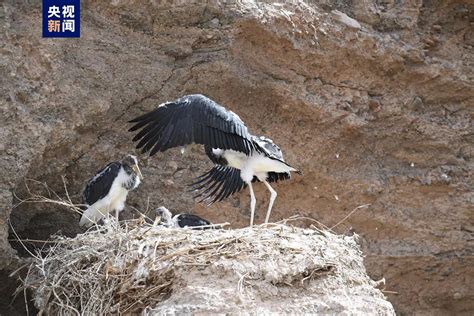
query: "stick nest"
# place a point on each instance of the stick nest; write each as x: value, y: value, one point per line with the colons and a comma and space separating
x: 136, y: 266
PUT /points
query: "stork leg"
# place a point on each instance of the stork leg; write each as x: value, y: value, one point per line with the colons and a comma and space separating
x: 273, y: 196
x: 252, y: 204
x: 117, y: 214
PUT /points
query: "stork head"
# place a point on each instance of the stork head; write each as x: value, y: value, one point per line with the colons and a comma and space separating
x: 130, y: 162
x: 164, y: 214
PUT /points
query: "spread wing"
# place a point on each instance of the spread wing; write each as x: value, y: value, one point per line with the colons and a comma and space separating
x: 190, y: 220
x: 99, y: 185
x: 217, y: 184
x: 192, y: 119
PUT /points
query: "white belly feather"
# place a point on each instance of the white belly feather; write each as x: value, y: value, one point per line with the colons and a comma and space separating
x: 114, y: 200
x: 235, y: 159
x: 256, y: 164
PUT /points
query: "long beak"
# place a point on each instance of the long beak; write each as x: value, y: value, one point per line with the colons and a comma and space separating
x: 137, y: 170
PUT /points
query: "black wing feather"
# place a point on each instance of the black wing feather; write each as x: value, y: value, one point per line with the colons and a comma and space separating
x: 192, y: 119
x: 226, y: 191
x: 190, y: 220
x: 217, y: 184
x: 278, y: 176
x: 99, y: 186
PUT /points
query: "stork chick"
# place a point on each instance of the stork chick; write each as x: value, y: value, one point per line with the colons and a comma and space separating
x: 108, y: 189
x: 181, y: 220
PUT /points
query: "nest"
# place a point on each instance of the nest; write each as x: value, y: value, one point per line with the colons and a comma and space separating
x: 135, y: 267
x: 125, y: 269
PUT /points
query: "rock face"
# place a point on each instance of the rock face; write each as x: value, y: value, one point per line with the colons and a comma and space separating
x: 380, y: 115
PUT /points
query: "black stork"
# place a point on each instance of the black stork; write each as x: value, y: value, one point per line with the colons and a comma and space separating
x: 108, y: 189
x: 240, y: 158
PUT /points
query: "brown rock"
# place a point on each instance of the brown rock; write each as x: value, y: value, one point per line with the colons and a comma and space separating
x: 437, y: 27
x: 65, y: 106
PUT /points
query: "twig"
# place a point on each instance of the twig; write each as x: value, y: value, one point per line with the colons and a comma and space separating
x: 19, y: 240
x: 389, y: 292
x: 65, y: 189
x: 348, y: 215
x: 299, y: 217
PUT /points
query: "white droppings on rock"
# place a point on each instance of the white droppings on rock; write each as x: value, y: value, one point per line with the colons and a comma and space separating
x: 215, y: 22
x: 346, y: 20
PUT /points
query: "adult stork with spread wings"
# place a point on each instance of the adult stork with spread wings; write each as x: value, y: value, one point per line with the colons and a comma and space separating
x: 240, y: 158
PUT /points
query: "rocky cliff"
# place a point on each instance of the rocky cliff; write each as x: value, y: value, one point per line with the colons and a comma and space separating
x: 371, y: 99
